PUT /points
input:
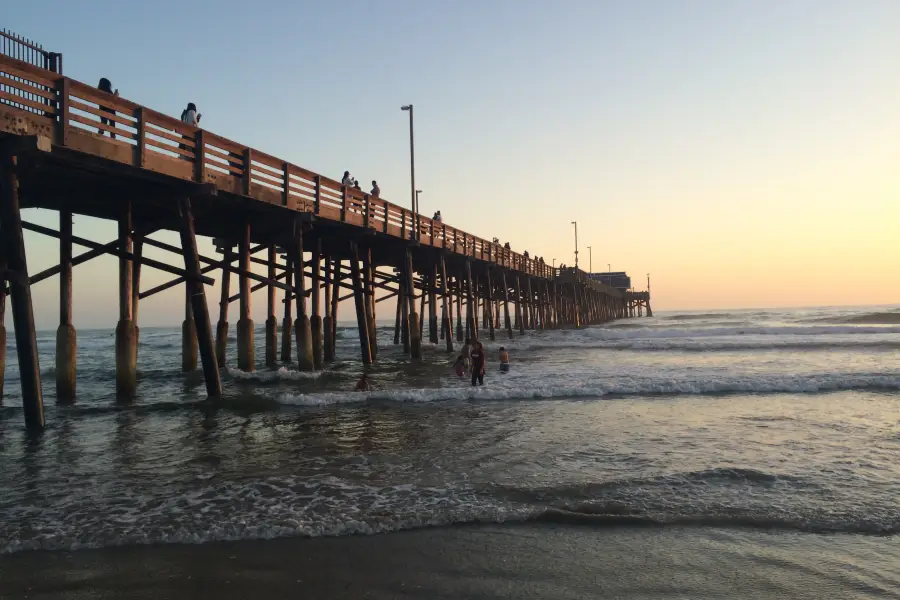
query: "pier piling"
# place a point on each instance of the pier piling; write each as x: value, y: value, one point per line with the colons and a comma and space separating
x: 415, y: 336
x: 245, y: 342
x: 188, y: 335
x: 287, y: 323
x: 65, y: 333
x: 200, y: 309
x: 271, y: 318
x: 302, y: 328
x: 222, y: 325
x: 315, y: 321
x: 126, y: 333
x: 328, y: 322
x: 359, y: 297
x: 12, y: 244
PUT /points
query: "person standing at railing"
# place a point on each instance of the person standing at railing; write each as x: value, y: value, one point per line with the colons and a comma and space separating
x: 376, y: 191
x: 190, y: 117
x: 106, y: 86
x: 347, y: 179
x: 437, y: 217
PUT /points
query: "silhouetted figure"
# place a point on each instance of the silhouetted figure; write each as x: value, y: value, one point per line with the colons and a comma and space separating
x: 376, y: 191
x: 106, y: 86
x: 437, y: 217
x: 506, y: 245
x: 364, y: 385
x: 190, y: 116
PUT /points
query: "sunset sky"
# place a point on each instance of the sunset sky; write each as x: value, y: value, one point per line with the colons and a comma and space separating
x: 746, y: 154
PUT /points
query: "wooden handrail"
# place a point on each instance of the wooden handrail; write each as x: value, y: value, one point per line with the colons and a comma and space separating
x: 205, y: 150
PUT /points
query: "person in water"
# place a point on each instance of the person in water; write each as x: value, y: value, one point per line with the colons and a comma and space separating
x: 465, y: 352
x: 459, y: 367
x: 477, y: 356
x: 364, y: 385
x: 504, y: 359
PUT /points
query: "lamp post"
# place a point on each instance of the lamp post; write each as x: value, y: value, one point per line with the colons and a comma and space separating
x: 412, y: 168
x: 590, y: 262
x: 417, y: 199
x: 648, y: 284
x: 575, y: 223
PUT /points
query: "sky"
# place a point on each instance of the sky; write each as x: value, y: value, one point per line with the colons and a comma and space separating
x: 744, y: 153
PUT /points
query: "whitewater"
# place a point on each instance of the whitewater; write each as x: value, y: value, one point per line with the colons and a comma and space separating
x: 763, y: 419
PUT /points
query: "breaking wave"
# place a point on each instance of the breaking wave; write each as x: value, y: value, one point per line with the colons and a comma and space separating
x: 325, y: 505
x: 875, y: 318
x: 767, y: 384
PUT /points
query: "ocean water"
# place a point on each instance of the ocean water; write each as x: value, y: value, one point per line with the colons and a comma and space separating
x: 778, y: 421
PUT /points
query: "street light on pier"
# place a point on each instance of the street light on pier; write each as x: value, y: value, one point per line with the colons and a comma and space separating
x: 575, y: 223
x: 590, y: 262
x: 412, y: 168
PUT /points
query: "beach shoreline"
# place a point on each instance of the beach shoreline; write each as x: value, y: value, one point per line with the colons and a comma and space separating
x: 475, y: 561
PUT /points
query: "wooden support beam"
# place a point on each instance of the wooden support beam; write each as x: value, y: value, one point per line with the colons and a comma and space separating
x: 199, y: 307
x: 447, y: 317
x: 223, y: 264
x: 327, y: 322
x: 365, y: 347
x: 126, y: 255
x: 471, y: 317
x: 334, y: 303
x: 287, y: 322
x: 224, y: 301
x: 126, y: 334
x: 315, y: 321
x: 490, y: 306
x: 12, y: 253
x: 369, y: 301
x: 433, y: 335
x: 302, y: 329
x: 415, y: 340
x: 65, y: 333
x: 271, y: 319
x: 245, y: 337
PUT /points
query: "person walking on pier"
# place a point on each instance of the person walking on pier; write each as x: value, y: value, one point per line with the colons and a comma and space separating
x: 478, y: 359
x: 376, y: 191
x: 106, y: 86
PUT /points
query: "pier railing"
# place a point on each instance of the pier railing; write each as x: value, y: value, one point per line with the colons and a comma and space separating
x: 83, y: 118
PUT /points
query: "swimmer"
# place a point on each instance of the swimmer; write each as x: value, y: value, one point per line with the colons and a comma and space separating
x: 364, y: 385
x: 466, y: 352
x: 504, y: 359
x: 459, y: 367
x: 478, y: 358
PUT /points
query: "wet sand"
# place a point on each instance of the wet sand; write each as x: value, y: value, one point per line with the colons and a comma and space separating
x: 483, y: 562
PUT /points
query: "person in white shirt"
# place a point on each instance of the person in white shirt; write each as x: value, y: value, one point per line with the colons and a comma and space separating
x: 190, y: 116
x: 347, y: 180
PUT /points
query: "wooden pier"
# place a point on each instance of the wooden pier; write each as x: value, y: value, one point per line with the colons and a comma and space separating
x: 318, y: 241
